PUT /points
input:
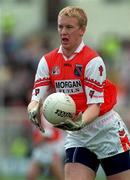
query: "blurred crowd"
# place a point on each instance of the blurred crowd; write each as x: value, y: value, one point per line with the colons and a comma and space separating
x: 116, y: 54
x: 18, y: 63
x: 19, y: 59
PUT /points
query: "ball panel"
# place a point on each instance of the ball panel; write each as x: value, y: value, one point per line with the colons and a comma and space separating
x: 57, y: 107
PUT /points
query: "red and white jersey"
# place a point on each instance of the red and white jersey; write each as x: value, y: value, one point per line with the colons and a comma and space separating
x: 82, y: 76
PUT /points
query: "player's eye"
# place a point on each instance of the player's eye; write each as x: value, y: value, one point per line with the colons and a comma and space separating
x: 69, y: 27
x: 60, y: 27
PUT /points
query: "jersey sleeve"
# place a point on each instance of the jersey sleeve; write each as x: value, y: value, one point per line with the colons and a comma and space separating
x: 42, y: 81
x: 95, y: 76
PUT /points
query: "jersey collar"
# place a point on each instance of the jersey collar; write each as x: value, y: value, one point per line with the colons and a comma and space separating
x: 79, y: 48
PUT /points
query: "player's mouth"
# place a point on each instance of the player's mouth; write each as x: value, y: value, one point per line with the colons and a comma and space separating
x: 64, y: 41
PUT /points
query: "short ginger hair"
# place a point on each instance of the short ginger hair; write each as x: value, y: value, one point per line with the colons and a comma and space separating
x: 76, y: 12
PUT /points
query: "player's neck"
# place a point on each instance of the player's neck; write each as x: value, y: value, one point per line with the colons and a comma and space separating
x: 68, y: 52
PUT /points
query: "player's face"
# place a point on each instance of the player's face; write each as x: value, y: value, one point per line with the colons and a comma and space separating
x: 70, y: 33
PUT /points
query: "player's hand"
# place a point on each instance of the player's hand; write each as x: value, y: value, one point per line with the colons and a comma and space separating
x: 34, y: 114
x: 70, y: 125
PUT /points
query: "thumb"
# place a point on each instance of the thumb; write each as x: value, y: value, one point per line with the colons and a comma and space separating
x: 78, y: 117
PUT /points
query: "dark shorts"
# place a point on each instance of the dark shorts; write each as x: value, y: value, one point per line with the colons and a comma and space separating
x: 111, y: 165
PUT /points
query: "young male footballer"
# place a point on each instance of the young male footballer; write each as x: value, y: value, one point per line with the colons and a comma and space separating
x: 100, y: 135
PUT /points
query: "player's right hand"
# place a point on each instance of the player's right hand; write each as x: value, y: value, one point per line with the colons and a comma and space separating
x: 70, y: 125
x: 34, y: 113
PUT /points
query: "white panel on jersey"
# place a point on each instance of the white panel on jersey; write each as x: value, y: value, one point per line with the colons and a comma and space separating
x: 95, y: 73
x: 42, y: 72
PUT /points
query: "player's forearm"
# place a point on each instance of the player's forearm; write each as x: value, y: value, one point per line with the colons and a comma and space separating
x: 91, y: 113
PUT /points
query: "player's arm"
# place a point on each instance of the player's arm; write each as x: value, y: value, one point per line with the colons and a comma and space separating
x: 91, y: 113
x: 94, y: 81
x: 40, y: 91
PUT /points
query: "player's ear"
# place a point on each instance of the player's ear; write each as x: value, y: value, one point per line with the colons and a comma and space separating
x: 82, y: 30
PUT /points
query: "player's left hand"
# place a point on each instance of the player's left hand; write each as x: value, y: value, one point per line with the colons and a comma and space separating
x: 35, y: 115
x: 72, y: 125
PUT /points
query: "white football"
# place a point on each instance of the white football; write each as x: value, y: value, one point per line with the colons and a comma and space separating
x: 57, y: 107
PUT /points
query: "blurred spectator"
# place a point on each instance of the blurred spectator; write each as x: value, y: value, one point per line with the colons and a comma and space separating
x: 48, y: 152
x: 19, y: 83
x: 9, y: 43
x: 110, y: 50
x: 21, y: 63
x: 19, y: 147
x: 125, y: 70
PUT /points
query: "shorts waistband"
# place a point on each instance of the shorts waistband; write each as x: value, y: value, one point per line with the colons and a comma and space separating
x: 103, y: 120
x: 106, y: 115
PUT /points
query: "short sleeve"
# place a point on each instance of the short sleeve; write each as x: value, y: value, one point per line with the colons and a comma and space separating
x: 94, y: 79
x: 42, y: 81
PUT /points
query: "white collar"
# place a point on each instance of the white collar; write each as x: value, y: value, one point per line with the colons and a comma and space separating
x: 79, y: 48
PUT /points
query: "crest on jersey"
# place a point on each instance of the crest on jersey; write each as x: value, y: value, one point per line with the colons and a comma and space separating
x: 37, y: 91
x: 78, y: 69
x: 56, y: 70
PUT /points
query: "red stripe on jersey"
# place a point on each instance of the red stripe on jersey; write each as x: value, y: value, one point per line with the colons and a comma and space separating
x: 41, y: 84
x: 94, y: 84
x: 41, y: 80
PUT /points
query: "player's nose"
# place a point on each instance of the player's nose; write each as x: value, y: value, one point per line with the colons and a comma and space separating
x: 64, y: 31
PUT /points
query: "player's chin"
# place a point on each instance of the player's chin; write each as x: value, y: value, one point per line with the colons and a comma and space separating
x: 65, y: 46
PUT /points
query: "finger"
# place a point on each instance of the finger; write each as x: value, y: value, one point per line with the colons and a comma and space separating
x: 78, y: 117
x: 39, y: 127
x: 40, y: 102
x: 39, y: 111
x: 42, y: 129
x: 61, y: 126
